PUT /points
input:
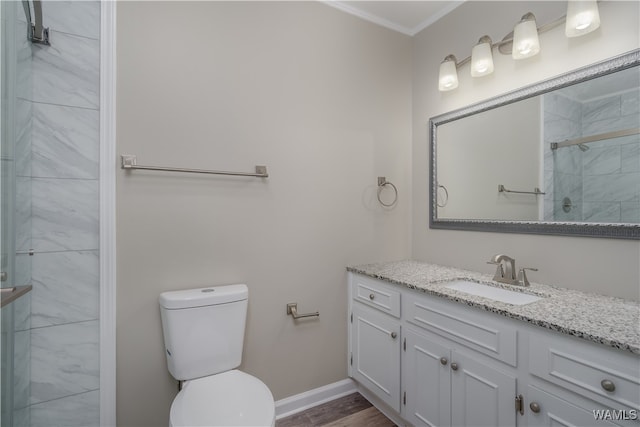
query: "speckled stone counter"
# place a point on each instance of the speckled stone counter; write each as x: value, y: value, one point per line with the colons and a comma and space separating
x: 614, y: 322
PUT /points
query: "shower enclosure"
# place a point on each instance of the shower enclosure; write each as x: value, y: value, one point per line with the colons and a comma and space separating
x: 49, y: 222
x: 593, y: 175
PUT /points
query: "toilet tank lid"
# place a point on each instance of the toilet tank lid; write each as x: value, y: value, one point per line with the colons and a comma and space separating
x: 200, y: 297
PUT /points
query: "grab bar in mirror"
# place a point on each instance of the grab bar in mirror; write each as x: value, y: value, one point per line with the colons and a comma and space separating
x: 536, y: 190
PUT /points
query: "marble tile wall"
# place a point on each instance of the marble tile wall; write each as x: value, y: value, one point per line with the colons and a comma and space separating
x: 612, y: 167
x: 563, y: 172
x: 59, y: 171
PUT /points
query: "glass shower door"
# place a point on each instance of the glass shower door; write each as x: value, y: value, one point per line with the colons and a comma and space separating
x: 14, y: 313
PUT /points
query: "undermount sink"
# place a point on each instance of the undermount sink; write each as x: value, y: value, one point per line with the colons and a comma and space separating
x: 492, y: 292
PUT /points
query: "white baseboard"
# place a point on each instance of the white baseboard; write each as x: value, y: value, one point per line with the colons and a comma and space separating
x: 299, y: 402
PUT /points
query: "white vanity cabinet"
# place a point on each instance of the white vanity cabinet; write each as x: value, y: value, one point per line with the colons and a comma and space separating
x: 375, y: 339
x: 442, y: 363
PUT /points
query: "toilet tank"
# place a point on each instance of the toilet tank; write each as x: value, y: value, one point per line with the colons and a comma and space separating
x: 204, y: 329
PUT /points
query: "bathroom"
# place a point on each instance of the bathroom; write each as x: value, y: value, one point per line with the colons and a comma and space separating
x: 328, y: 102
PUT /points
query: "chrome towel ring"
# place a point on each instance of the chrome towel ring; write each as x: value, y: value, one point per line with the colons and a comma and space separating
x: 382, y: 182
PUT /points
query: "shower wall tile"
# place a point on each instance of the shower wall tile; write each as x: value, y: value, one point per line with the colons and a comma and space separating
x: 23, y: 211
x: 630, y: 102
x: 64, y: 360
x: 567, y: 185
x: 22, y: 274
x: 607, y: 108
x: 82, y: 410
x: 80, y: 18
x: 600, y: 161
x: 608, y: 125
x: 601, y: 211
x: 65, y: 214
x: 22, y: 417
x: 614, y: 188
x: 67, y: 72
x: 24, y: 56
x: 562, y: 106
x: 22, y: 313
x: 630, y: 154
x: 630, y: 212
x: 21, y: 369
x: 23, y: 125
x: 60, y: 297
x: 560, y: 130
x: 65, y: 142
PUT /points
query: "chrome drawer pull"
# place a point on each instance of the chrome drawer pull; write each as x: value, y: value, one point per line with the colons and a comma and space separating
x: 454, y: 366
x: 371, y: 296
x: 608, y: 385
x: 444, y: 360
x: 535, y: 408
x: 394, y: 335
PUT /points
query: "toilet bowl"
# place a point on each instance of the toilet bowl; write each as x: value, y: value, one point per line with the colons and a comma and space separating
x: 231, y: 398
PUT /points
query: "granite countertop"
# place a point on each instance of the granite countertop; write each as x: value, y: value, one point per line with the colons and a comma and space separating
x: 614, y: 322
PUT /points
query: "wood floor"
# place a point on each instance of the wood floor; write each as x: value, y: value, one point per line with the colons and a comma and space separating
x: 349, y: 411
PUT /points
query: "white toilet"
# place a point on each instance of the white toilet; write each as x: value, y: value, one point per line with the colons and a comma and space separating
x: 203, y: 336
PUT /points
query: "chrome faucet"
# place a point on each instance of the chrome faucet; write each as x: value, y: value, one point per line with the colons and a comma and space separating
x: 506, y: 271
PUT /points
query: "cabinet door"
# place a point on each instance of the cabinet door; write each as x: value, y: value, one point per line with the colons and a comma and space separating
x: 480, y: 394
x: 426, y: 382
x: 376, y: 353
x: 553, y: 411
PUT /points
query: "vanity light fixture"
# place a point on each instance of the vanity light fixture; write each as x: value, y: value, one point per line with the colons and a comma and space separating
x: 525, y: 38
x: 448, y: 79
x: 582, y: 18
x: 482, y: 58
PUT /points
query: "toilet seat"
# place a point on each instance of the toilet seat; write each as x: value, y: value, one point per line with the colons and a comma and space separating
x: 231, y: 398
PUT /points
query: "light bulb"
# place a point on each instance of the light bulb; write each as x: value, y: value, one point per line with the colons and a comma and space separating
x: 583, y: 17
x: 525, y: 38
x: 448, y: 79
x: 482, y: 58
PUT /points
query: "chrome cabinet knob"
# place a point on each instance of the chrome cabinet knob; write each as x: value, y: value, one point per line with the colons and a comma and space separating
x: 535, y: 408
x: 608, y: 385
x: 454, y: 366
x: 444, y: 360
x: 394, y: 335
x: 371, y: 296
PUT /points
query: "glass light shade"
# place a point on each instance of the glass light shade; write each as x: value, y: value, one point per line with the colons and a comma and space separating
x: 482, y: 58
x: 582, y: 17
x: 525, y: 38
x: 448, y: 79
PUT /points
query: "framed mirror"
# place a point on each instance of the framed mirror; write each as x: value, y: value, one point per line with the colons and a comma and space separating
x: 557, y: 157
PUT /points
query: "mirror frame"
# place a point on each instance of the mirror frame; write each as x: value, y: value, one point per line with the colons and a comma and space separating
x: 613, y: 230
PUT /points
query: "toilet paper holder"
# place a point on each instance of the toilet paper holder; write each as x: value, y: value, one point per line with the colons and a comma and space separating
x: 292, y: 309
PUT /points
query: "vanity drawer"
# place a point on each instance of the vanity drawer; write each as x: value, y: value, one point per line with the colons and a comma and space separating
x: 376, y: 294
x: 484, y: 332
x: 589, y: 369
